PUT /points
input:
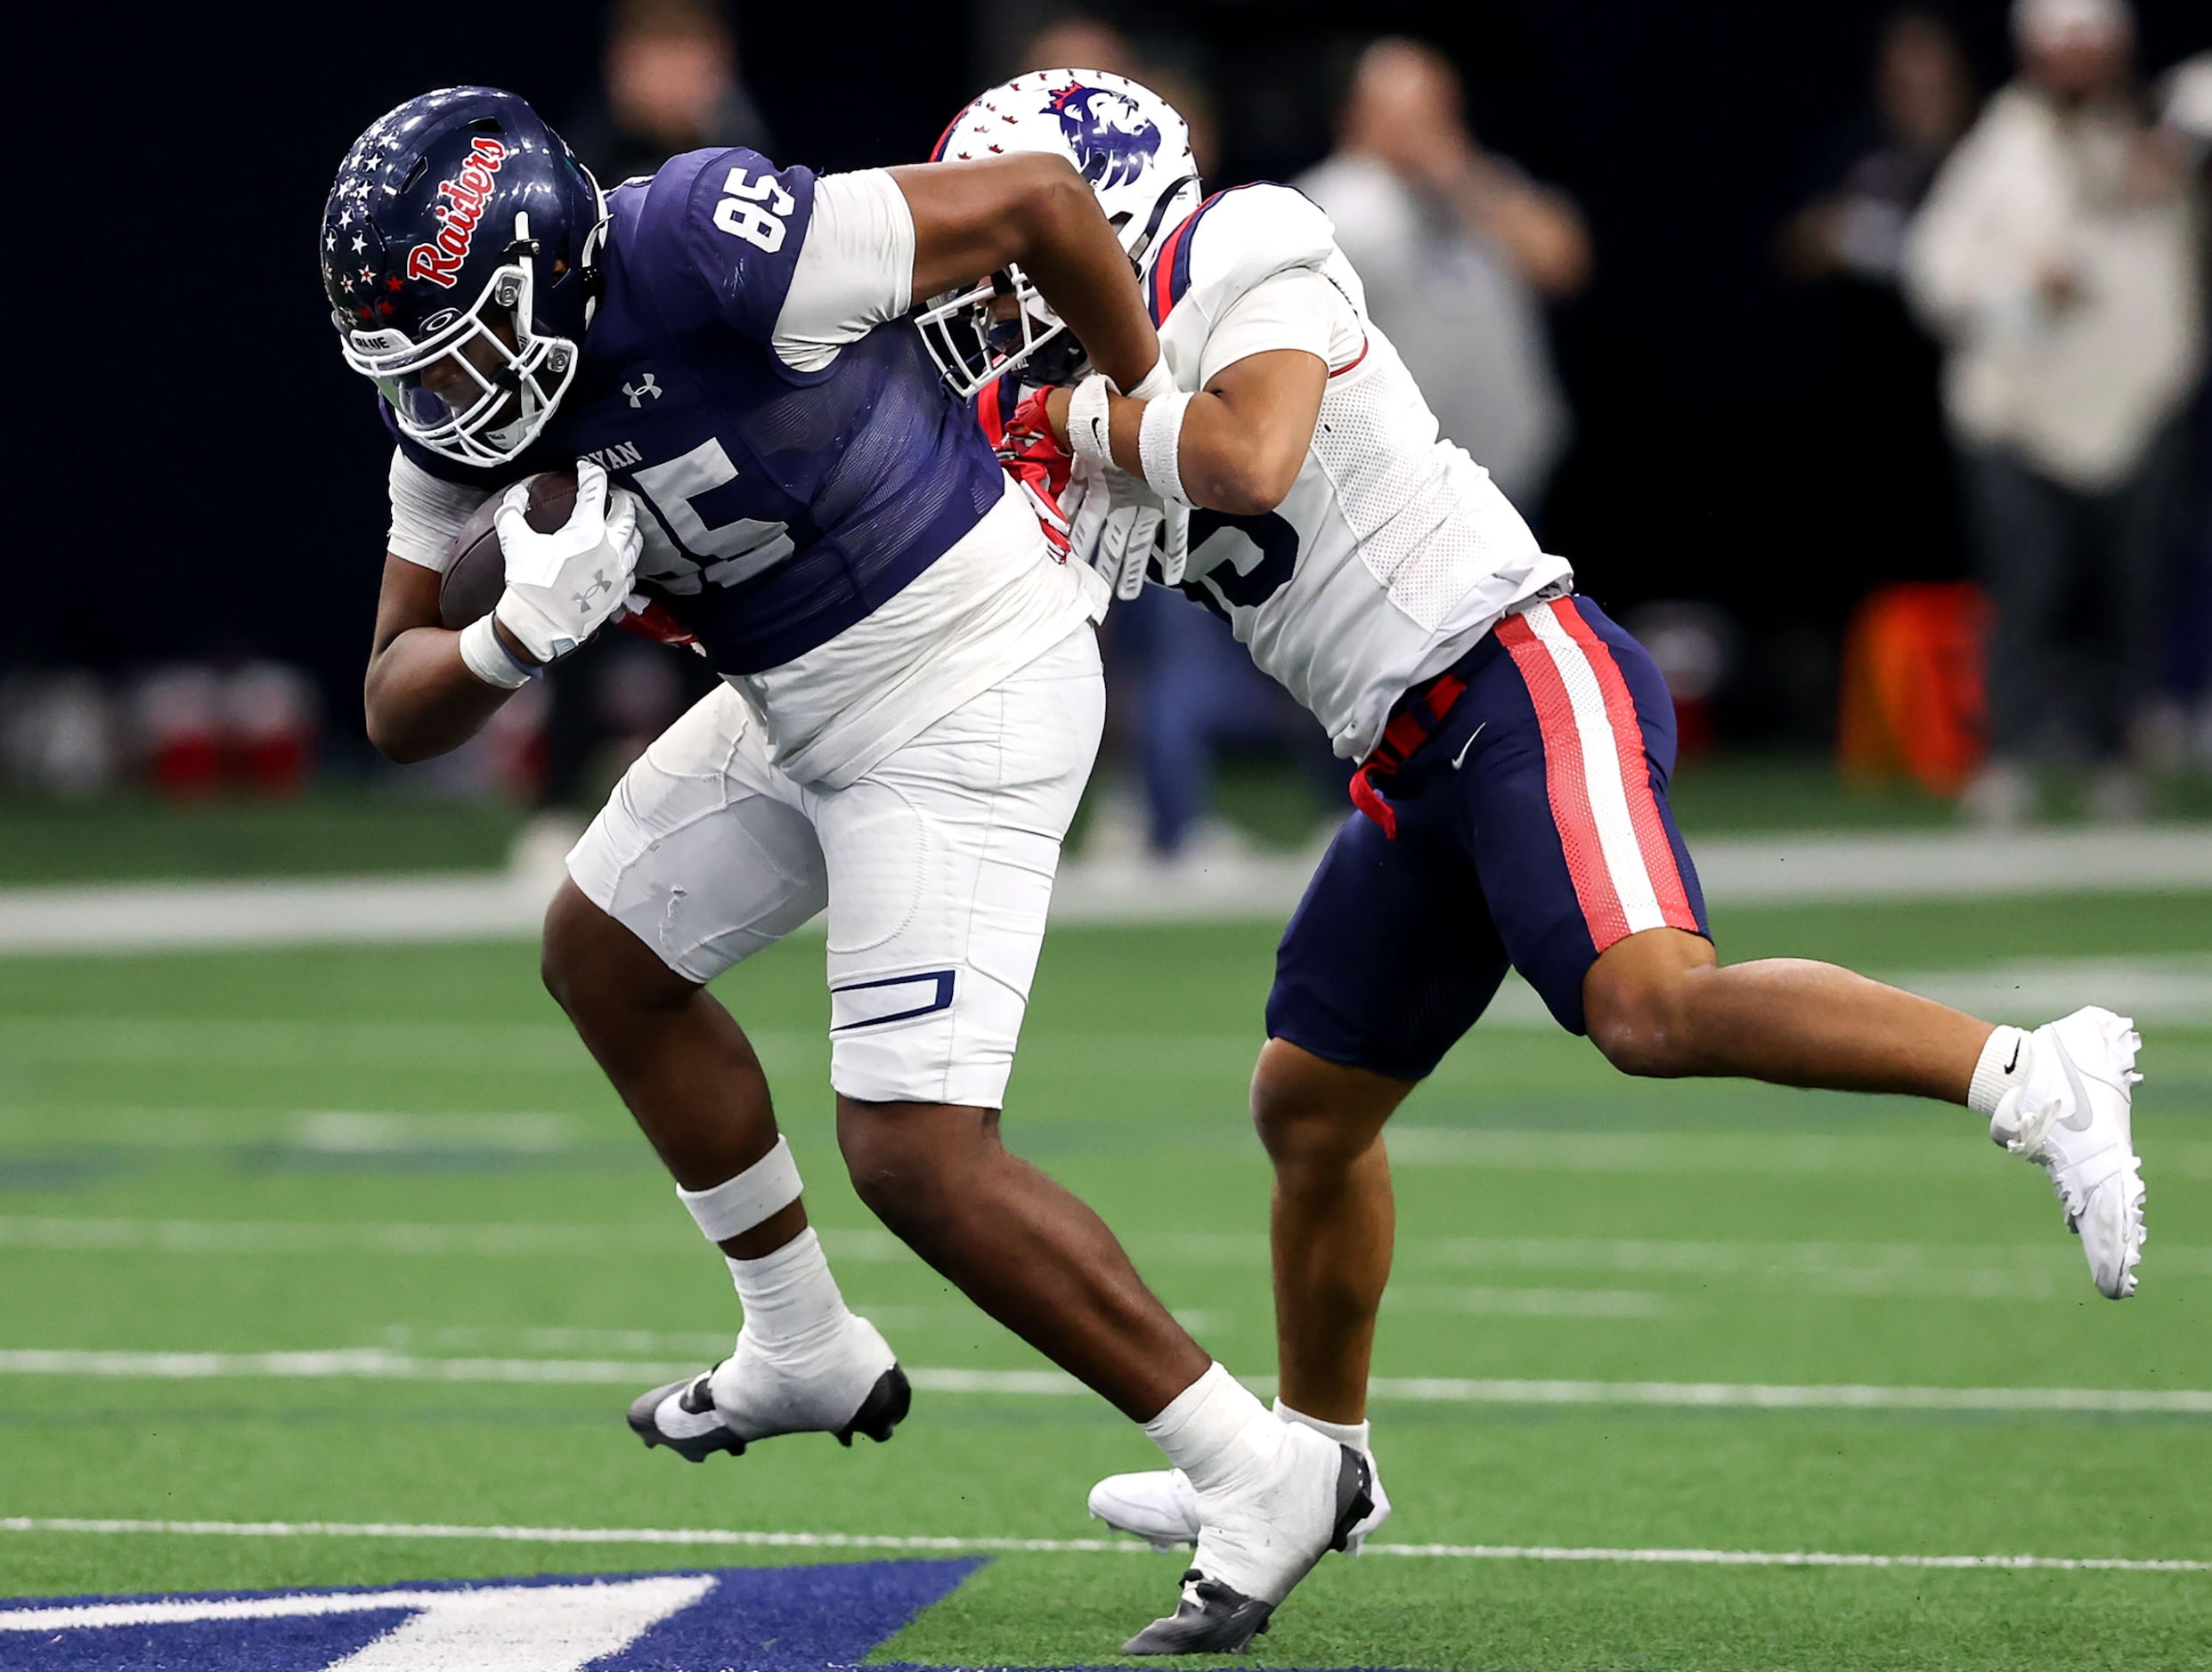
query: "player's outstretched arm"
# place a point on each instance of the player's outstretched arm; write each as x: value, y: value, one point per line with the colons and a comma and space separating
x: 1243, y: 439
x: 1032, y: 211
x: 420, y: 697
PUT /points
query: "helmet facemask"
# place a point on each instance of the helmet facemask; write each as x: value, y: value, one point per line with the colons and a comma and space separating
x: 978, y: 335
x: 480, y: 387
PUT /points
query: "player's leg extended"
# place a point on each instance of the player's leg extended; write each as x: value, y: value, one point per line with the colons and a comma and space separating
x: 1660, y: 1003
x: 1601, y: 910
x: 697, y: 860
x: 940, y: 862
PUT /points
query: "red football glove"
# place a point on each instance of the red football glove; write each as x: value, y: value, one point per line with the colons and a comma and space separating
x: 1022, y: 438
x: 649, y: 618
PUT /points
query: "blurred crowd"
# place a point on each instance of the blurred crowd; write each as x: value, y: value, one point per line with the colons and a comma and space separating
x: 2017, y: 288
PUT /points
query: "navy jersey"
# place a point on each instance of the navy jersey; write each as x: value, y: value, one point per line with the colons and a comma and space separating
x: 781, y: 506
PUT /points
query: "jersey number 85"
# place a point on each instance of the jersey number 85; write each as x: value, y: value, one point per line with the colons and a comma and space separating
x: 755, y: 210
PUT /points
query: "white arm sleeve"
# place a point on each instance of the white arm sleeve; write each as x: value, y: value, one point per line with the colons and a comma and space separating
x: 855, y: 271
x: 1297, y: 308
x: 426, y: 512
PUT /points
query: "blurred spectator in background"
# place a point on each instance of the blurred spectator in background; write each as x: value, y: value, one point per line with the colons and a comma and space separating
x: 1879, y: 409
x: 672, y: 86
x: 1460, y: 251
x: 1081, y: 41
x: 2057, y: 258
x: 2187, y: 108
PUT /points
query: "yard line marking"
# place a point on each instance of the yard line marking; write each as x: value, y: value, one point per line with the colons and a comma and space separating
x: 1051, y: 1546
x: 379, y: 1364
x: 1789, y: 1558
x: 1787, y: 1154
x: 1925, y: 1271
x: 569, y: 1625
x: 1509, y: 1303
x: 492, y: 905
x: 527, y: 1240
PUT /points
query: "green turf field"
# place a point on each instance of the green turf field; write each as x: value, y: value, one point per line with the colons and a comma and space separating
x: 396, y: 1161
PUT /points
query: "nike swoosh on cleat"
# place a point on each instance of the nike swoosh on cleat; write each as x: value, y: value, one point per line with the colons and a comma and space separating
x: 2081, y: 1116
x: 1458, y: 759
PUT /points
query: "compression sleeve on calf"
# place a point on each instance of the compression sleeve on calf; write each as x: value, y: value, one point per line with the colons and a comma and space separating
x: 735, y: 1206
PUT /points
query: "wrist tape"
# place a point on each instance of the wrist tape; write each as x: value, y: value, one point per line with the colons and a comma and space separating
x: 1155, y: 383
x: 488, y: 659
x: 1160, y: 441
x: 735, y: 1206
x: 1089, y: 434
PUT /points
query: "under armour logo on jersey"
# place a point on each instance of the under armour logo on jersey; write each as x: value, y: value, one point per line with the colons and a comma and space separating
x: 636, y: 391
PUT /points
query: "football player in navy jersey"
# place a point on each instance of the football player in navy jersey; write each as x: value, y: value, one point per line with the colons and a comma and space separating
x: 910, y: 707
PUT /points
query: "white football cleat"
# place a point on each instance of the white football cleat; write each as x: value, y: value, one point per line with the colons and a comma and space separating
x: 2071, y: 1116
x: 1161, y: 1508
x: 1257, y: 1538
x: 847, y: 1383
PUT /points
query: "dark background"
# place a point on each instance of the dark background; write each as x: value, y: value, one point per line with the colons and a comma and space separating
x: 209, y: 478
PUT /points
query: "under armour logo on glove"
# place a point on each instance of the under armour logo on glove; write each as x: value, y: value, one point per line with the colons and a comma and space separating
x: 599, y: 584
x: 636, y: 391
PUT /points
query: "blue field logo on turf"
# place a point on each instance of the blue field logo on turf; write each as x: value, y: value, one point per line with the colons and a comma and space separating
x: 748, y: 1619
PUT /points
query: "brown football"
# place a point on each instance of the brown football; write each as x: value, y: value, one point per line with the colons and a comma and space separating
x: 478, y: 574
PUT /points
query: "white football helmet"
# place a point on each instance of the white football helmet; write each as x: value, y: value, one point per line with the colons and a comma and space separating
x: 1133, y: 147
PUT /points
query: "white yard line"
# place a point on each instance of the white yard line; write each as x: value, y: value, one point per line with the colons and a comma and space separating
x: 1748, y: 870
x: 749, y: 1539
x: 380, y: 1364
x: 1930, y: 1270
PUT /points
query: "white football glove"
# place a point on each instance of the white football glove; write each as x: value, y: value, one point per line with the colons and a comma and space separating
x: 1117, y: 524
x: 562, y: 587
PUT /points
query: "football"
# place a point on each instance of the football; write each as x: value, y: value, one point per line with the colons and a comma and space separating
x: 478, y: 574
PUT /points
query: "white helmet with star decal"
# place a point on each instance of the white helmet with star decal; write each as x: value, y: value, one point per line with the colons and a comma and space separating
x: 1129, y: 143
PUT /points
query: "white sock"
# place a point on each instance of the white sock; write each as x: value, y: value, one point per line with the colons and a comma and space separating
x: 1212, y: 1430
x: 790, y: 1297
x: 1352, y: 1434
x: 2003, y: 1064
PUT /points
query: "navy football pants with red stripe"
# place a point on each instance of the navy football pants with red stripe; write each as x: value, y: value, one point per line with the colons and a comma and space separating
x: 1533, y: 832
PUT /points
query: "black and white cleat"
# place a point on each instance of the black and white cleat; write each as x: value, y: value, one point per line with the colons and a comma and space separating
x: 884, y: 1408
x: 1216, y: 1618
x: 682, y: 1415
x: 1211, y: 1620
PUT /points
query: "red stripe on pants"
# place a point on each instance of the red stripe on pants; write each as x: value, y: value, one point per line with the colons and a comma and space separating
x: 1628, y: 738
x: 1564, y: 783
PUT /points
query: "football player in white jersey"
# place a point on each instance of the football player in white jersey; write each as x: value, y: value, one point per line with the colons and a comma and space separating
x: 912, y: 702
x: 1515, y: 745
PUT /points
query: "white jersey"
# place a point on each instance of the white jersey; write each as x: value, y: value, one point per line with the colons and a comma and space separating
x: 1393, y: 552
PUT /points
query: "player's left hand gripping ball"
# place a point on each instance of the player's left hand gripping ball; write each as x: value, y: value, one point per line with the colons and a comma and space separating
x: 562, y: 587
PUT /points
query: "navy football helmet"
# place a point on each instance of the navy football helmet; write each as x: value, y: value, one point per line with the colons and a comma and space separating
x: 457, y: 253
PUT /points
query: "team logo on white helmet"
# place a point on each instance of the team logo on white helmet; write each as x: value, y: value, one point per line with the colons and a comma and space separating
x: 1132, y: 147
x: 1112, y: 139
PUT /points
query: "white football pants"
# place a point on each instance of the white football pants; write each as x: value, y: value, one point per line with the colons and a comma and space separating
x: 937, y: 868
